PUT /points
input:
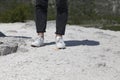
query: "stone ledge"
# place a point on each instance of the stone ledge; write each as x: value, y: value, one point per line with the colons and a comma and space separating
x: 8, y: 48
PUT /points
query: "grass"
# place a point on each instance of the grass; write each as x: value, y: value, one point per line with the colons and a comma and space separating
x: 111, y: 27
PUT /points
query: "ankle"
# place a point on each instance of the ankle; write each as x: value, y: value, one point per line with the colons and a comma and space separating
x: 41, y: 35
x: 58, y: 35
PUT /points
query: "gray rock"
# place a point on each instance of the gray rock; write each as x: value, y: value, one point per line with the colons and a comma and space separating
x: 23, y: 50
x: 8, y: 48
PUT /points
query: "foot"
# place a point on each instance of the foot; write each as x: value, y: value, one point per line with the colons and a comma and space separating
x: 38, y: 42
x: 60, y: 44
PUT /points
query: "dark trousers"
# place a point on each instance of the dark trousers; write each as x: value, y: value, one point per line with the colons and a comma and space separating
x: 61, y: 18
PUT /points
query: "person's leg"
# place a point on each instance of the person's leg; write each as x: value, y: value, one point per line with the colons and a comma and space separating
x: 62, y: 15
x: 41, y: 20
x: 61, y: 21
x: 41, y: 16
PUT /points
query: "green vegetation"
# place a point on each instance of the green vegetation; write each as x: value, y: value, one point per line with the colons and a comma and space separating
x: 17, y: 12
x: 81, y: 12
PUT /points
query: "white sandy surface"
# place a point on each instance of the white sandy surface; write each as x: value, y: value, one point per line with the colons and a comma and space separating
x: 91, y: 54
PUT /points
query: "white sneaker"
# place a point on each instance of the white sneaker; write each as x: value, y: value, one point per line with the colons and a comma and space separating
x: 38, y: 42
x: 60, y: 44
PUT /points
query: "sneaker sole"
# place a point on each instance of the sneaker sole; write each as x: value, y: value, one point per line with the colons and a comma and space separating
x: 37, y: 46
x: 61, y: 48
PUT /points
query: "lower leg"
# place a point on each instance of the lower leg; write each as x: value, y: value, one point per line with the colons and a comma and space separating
x: 41, y: 15
x: 59, y: 35
x: 41, y: 35
x: 62, y: 15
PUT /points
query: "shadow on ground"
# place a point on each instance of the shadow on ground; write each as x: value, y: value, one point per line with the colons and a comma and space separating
x: 24, y: 37
x: 2, y: 34
x: 71, y: 43
x: 83, y: 42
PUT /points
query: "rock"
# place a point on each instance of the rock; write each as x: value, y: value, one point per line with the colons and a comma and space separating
x: 23, y: 50
x: 8, y: 48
